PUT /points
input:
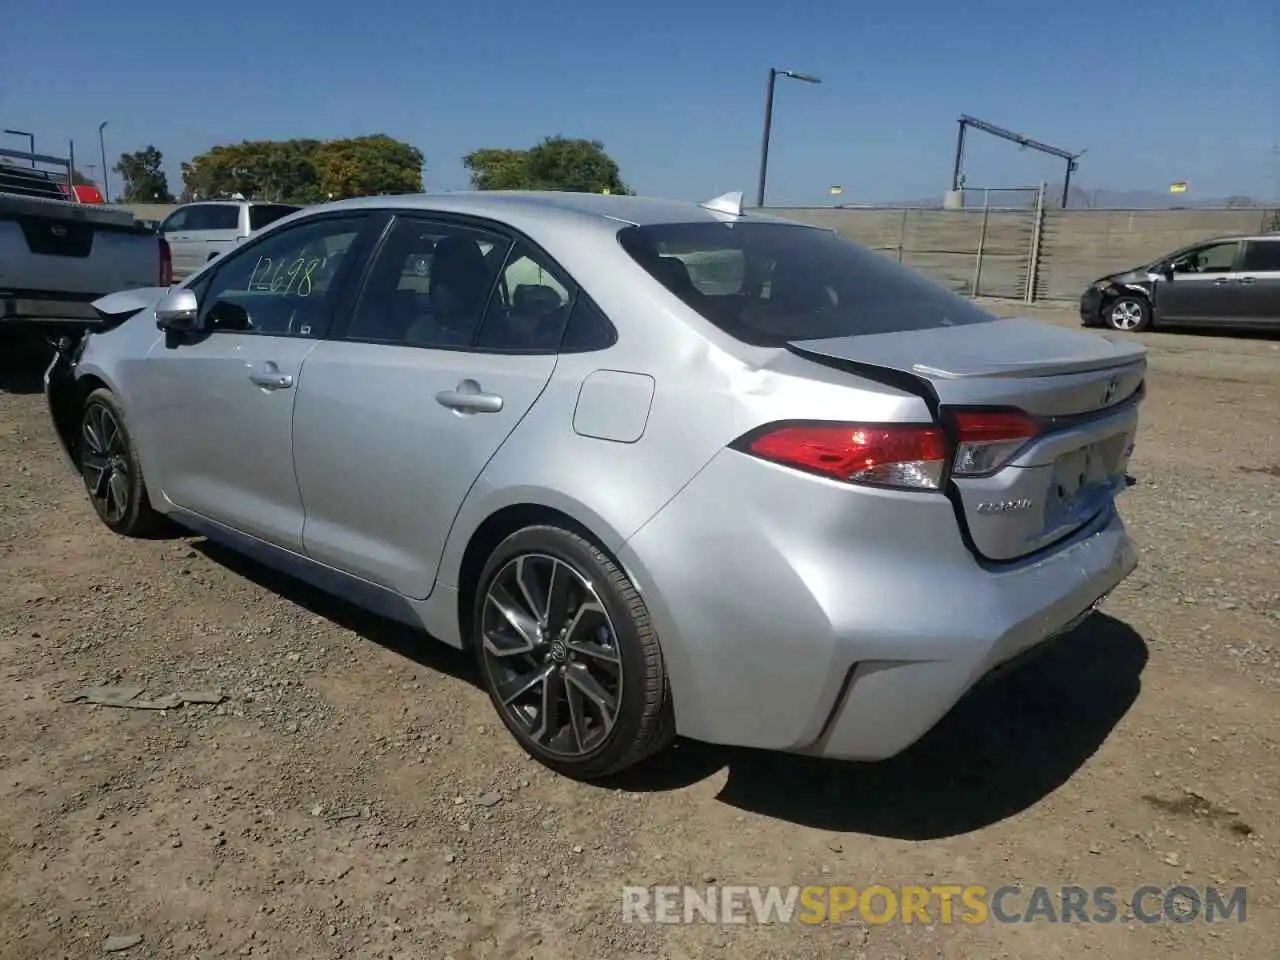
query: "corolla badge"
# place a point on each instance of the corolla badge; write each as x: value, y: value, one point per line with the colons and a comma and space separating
x: 1005, y: 506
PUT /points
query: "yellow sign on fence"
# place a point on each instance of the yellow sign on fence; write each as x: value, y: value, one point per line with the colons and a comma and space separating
x: 1179, y: 187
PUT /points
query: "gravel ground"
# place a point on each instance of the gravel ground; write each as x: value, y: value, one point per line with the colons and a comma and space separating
x: 354, y: 796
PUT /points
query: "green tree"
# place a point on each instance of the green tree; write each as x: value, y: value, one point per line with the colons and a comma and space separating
x: 304, y: 171
x: 496, y: 168
x: 276, y: 170
x: 557, y: 163
x: 144, y: 177
x: 376, y: 165
x: 1273, y: 226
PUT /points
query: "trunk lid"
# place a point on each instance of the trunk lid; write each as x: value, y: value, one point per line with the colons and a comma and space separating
x: 1083, y: 388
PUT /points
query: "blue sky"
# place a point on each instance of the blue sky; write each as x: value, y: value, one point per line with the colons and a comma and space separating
x: 1157, y: 90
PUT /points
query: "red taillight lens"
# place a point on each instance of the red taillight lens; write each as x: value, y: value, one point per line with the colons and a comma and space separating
x: 908, y: 455
x: 166, y: 263
x: 986, y: 440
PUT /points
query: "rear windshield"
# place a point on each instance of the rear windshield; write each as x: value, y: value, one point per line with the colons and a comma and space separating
x: 768, y: 283
x: 263, y: 213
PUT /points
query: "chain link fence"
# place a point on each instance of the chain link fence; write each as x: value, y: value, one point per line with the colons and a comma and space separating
x: 1032, y: 251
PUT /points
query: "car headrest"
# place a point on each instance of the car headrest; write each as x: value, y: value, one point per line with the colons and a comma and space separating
x: 674, y: 274
x: 457, y: 256
x: 535, y: 298
x: 459, y: 266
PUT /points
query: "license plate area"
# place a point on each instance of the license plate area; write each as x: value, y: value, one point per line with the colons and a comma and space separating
x: 1084, y: 478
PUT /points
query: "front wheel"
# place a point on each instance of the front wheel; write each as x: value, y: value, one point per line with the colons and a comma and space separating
x: 1128, y: 314
x: 110, y: 468
x: 568, y: 656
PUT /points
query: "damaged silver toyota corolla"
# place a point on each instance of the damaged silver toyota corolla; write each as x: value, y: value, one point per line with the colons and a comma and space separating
x: 662, y: 467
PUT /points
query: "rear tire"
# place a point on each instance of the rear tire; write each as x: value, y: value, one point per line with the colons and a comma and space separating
x: 111, y: 470
x: 568, y: 655
x: 1128, y: 314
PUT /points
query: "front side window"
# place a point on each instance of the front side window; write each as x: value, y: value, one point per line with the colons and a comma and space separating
x: 1215, y: 258
x: 769, y: 283
x: 175, y: 221
x: 429, y: 285
x: 1262, y: 256
x: 284, y: 285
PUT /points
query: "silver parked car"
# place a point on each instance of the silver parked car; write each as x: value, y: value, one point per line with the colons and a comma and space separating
x: 198, y: 232
x: 664, y: 467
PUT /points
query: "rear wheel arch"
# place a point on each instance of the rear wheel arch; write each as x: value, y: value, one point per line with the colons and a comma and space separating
x: 492, y: 531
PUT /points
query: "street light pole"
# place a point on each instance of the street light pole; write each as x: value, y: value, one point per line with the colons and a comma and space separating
x: 31, y: 139
x: 102, y: 149
x: 774, y: 73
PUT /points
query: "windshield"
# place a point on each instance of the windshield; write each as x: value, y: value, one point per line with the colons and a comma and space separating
x: 770, y: 283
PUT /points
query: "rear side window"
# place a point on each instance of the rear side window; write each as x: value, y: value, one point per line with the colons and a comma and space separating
x: 1262, y: 256
x: 213, y: 217
x: 529, y: 309
x: 429, y: 285
x: 589, y: 329
x: 770, y: 283
x: 264, y: 213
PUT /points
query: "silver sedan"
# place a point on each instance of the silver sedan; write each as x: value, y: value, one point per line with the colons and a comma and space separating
x: 664, y: 467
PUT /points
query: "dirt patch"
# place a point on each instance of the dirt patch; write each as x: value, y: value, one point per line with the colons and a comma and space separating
x: 347, y: 791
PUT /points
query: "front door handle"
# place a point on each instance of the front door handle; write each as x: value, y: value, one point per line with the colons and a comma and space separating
x: 270, y: 378
x: 1221, y: 280
x: 468, y: 397
x: 1248, y: 279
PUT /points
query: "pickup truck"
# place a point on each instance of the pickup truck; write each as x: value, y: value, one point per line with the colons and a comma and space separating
x: 58, y: 254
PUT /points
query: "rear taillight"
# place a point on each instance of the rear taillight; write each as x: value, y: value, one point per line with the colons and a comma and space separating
x: 987, y: 440
x: 911, y: 455
x: 166, y: 263
x: 907, y: 455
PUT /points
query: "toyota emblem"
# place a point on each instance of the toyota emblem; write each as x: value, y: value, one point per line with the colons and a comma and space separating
x: 58, y: 230
x: 1112, y: 386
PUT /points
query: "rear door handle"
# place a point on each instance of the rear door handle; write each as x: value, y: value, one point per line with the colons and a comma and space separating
x: 468, y: 397
x: 1221, y: 281
x: 270, y: 378
x: 1248, y: 279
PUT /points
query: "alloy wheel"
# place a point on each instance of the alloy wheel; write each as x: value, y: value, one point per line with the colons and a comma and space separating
x: 1126, y: 315
x: 104, y: 462
x: 552, y: 654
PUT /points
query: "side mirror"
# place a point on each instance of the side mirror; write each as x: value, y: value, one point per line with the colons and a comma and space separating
x: 179, y: 311
x: 1165, y: 270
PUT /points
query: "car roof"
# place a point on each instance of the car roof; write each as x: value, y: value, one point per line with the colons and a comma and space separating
x: 239, y: 203
x: 532, y: 205
x: 1235, y: 236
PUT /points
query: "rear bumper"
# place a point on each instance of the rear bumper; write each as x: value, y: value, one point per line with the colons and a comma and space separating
x: 888, y: 706
x: 847, y: 622
x: 44, y: 310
